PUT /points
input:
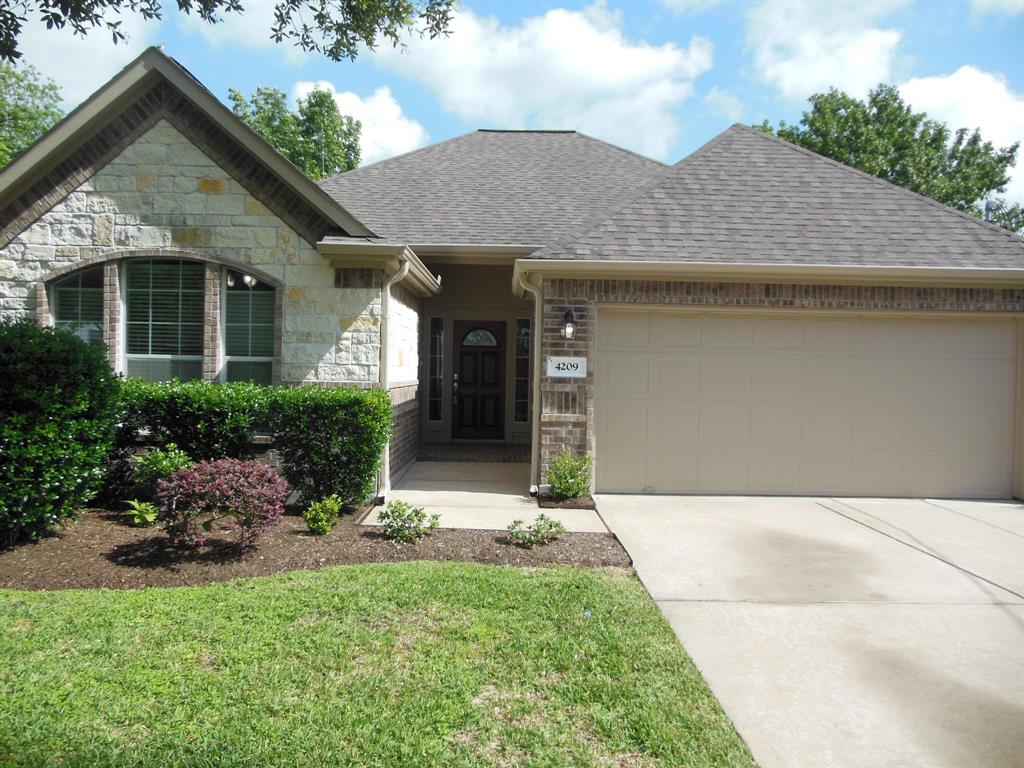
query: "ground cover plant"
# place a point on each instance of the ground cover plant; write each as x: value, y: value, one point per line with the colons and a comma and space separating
x: 543, y: 530
x: 411, y: 665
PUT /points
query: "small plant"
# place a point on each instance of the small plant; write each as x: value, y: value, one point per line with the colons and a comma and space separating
x: 142, y: 512
x: 544, y: 530
x: 248, y: 495
x: 322, y: 516
x: 402, y: 522
x: 159, y: 464
x: 569, y: 477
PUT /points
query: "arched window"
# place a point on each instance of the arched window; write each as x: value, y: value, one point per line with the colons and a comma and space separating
x: 78, y: 304
x: 248, y: 328
x: 479, y: 337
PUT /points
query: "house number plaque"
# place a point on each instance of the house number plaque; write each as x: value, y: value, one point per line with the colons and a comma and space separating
x: 567, y: 367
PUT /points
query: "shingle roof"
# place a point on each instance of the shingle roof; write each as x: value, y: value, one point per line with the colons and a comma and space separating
x: 746, y: 197
x: 493, y: 187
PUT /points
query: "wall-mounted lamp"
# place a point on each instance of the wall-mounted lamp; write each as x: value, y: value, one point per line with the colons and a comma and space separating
x: 568, y: 325
x: 249, y: 281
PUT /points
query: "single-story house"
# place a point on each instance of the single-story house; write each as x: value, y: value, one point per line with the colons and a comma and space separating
x: 753, y: 319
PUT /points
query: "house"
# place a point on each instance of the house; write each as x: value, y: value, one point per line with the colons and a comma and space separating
x: 753, y: 319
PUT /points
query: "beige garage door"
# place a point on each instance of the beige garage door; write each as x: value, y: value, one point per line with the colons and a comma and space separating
x: 690, y: 402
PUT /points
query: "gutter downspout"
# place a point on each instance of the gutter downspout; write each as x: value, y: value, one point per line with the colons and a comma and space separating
x: 538, y: 310
x: 385, y: 306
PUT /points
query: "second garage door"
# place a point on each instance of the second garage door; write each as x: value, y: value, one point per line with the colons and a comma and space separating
x: 719, y: 402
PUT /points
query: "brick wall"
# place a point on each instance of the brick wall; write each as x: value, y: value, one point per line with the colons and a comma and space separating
x: 567, y: 408
x: 405, y: 432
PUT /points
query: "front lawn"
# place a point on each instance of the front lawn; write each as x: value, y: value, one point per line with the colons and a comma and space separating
x: 412, y: 664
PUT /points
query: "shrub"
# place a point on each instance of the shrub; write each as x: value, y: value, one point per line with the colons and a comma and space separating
x: 159, y: 464
x: 142, y: 512
x: 322, y: 516
x: 402, y: 522
x: 59, y: 407
x: 330, y: 439
x: 544, y: 530
x: 248, y: 495
x: 569, y: 477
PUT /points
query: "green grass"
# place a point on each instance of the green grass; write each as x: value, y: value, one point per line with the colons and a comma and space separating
x: 415, y: 664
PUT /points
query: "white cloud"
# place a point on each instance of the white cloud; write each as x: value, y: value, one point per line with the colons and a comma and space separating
x: 803, y: 48
x: 722, y: 102
x: 971, y: 98
x: 1010, y: 7
x: 564, y: 69
x: 248, y: 29
x: 689, y: 6
x: 386, y: 130
x: 80, y: 65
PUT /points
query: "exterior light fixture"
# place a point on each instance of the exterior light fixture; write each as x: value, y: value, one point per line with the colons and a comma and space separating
x: 249, y: 281
x: 231, y: 279
x: 568, y: 325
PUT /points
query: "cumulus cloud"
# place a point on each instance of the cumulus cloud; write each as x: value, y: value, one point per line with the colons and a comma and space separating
x: 248, y: 29
x: 1009, y: 7
x: 386, y: 130
x: 721, y: 102
x: 80, y: 65
x: 564, y: 69
x: 803, y: 48
x: 972, y: 98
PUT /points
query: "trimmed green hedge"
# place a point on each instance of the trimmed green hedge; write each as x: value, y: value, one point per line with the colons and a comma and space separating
x: 330, y: 439
x: 57, y: 423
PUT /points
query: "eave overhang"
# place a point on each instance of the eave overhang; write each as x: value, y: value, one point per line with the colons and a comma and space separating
x: 355, y: 253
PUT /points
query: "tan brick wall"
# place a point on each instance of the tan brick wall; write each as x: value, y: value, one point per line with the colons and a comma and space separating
x: 404, y: 429
x: 567, y: 411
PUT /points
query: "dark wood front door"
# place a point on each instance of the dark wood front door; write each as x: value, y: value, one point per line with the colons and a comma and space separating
x: 479, y: 385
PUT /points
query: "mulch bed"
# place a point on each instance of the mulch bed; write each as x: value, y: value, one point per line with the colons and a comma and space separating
x: 101, y: 550
x: 545, y: 501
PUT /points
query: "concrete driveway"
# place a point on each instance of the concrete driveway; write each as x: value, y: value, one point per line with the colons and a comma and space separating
x: 846, y: 632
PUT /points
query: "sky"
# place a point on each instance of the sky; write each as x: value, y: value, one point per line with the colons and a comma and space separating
x: 659, y: 77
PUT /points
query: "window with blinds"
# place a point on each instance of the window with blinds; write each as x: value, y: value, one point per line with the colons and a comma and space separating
x: 521, y: 402
x: 248, y: 328
x: 78, y: 304
x: 164, y: 319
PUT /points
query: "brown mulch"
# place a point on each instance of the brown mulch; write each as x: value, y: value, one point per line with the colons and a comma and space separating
x: 545, y: 501
x: 101, y: 550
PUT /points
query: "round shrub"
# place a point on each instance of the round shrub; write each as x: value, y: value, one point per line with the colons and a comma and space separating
x: 245, y: 496
x: 569, y: 477
x: 56, y: 426
x: 322, y: 516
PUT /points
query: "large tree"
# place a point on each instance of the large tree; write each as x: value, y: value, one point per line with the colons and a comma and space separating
x: 29, y: 106
x: 883, y: 136
x: 335, y: 28
x: 315, y: 137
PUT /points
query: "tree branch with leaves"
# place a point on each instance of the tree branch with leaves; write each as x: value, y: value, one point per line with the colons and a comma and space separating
x: 29, y: 107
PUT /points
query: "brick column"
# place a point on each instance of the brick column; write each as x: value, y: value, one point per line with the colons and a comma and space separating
x: 112, y: 312
x: 211, y: 322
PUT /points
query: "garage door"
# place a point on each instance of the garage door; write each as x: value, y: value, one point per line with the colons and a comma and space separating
x: 690, y: 402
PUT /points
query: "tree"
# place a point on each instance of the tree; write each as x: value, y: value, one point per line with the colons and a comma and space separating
x: 29, y: 107
x: 883, y: 136
x: 335, y: 28
x: 316, y: 137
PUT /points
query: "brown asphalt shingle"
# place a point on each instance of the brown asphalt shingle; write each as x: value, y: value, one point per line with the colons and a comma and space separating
x: 746, y: 197
x: 493, y: 187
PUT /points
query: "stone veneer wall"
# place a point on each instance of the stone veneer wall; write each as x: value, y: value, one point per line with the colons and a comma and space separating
x: 163, y: 194
x: 405, y: 429
x: 567, y: 406
x: 403, y: 336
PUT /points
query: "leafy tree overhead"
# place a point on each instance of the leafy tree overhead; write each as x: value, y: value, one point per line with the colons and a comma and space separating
x: 29, y: 107
x: 883, y: 136
x: 335, y: 28
x: 316, y: 137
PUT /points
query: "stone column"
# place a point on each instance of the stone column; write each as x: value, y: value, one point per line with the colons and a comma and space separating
x: 211, y: 322
x: 112, y: 312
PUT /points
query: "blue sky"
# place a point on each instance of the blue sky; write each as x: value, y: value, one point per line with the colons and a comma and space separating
x: 659, y: 77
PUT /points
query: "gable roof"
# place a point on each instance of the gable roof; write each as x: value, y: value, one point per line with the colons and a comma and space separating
x: 493, y: 188
x: 749, y: 198
x: 151, y: 87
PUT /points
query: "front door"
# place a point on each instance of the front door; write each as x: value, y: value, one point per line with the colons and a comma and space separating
x: 478, y: 384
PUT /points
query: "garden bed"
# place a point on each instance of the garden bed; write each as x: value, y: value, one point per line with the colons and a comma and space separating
x: 546, y: 501
x: 100, y: 550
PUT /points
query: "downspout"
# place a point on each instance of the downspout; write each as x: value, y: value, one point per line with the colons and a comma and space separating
x: 385, y: 306
x: 538, y: 311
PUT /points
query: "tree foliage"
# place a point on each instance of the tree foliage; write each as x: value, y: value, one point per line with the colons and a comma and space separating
x: 883, y: 136
x: 315, y: 137
x: 29, y: 107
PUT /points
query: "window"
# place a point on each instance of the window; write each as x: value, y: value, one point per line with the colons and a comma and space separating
x: 479, y: 337
x: 164, y: 319
x: 248, y: 328
x: 435, y: 368
x: 521, y: 403
x: 78, y: 304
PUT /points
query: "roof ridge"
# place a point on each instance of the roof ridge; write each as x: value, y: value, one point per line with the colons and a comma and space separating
x: 396, y: 157
x: 863, y: 174
x: 621, y: 149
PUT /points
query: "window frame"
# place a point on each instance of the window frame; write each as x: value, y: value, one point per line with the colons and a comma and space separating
x: 55, y: 287
x: 222, y: 322
x: 430, y: 395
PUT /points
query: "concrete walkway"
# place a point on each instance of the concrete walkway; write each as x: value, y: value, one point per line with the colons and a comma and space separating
x: 480, y: 495
x: 859, y: 633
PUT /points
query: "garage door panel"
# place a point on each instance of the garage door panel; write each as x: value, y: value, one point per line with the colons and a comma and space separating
x: 805, y: 404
